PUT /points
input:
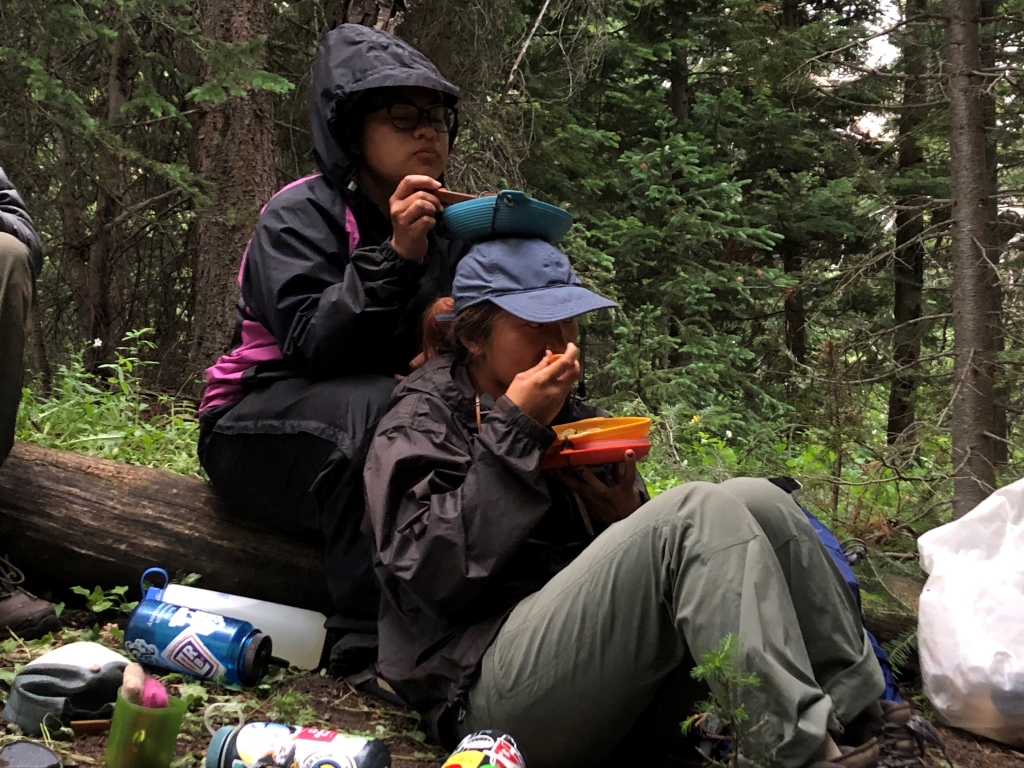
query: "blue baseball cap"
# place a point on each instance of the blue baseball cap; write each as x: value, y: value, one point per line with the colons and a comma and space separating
x: 528, y: 278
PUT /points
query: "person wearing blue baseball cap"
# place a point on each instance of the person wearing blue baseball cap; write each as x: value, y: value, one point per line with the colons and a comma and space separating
x: 566, y: 608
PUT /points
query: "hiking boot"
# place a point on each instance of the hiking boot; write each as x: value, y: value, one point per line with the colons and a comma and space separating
x: 896, y: 712
x: 21, y: 613
x: 864, y: 756
x: 873, y: 719
x: 901, y: 735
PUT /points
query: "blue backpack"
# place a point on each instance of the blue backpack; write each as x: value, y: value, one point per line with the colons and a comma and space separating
x: 831, y: 543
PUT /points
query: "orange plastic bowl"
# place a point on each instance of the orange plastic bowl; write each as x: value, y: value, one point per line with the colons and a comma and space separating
x: 602, y: 440
x: 595, y: 454
x: 601, y: 429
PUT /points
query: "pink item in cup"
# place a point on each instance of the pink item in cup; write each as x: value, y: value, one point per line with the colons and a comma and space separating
x: 154, y: 695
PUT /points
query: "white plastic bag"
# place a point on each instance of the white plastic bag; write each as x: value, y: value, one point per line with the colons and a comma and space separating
x: 971, y: 631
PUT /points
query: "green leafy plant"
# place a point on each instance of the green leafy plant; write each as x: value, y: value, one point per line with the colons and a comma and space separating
x: 185, y: 579
x: 99, y: 600
x: 113, y: 417
x: 292, y: 707
x: 723, y: 718
x: 195, y: 695
x: 902, y: 650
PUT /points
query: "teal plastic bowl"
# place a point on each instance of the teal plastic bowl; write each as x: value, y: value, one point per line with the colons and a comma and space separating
x: 510, y: 213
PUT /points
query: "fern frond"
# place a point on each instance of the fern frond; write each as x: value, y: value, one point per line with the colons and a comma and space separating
x: 902, y: 649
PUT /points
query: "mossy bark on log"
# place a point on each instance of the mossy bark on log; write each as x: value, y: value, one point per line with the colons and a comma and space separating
x: 70, y: 519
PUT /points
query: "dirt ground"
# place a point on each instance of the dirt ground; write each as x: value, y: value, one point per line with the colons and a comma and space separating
x: 332, y: 704
x: 970, y: 751
x: 320, y: 701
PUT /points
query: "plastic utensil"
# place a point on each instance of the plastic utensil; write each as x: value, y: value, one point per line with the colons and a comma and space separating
x: 447, y: 197
x: 141, y: 737
x: 510, y: 213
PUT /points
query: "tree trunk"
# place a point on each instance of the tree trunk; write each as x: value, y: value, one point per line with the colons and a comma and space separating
x: 235, y: 154
x: 791, y: 13
x: 679, y: 83
x: 973, y: 331
x: 125, y: 519
x: 40, y: 360
x: 99, y: 268
x: 792, y: 260
x: 989, y: 9
x: 908, y: 261
x: 381, y: 14
x: 796, y: 315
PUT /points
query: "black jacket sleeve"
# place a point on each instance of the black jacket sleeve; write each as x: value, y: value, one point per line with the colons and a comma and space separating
x: 14, y: 220
x: 447, y: 516
x: 331, y: 313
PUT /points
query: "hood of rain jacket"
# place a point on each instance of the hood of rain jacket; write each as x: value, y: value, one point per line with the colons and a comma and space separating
x: 351, y: 60
x: 15, y: 221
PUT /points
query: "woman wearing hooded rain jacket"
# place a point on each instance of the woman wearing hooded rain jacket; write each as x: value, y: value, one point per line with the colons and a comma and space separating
x: 333, y: 283
x: 564, y: 608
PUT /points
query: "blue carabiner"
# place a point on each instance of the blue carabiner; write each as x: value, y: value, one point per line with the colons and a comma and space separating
x: 145, y: 573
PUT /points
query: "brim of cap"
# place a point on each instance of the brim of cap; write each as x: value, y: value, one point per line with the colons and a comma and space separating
x: 549, y: 305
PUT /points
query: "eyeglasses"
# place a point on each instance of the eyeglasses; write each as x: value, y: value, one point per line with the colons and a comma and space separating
x: 407, y: 117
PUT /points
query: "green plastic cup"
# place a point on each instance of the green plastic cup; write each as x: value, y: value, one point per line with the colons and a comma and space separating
x: 141, y: 737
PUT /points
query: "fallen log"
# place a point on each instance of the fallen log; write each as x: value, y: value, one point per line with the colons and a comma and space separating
x: 887, y: 626
x: 68, y: 519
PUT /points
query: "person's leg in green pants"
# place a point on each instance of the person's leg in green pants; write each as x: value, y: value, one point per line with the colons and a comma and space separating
x: 842, y: 659
x: 20, y: 612
x: 578, y: 662
x: 15, y: 301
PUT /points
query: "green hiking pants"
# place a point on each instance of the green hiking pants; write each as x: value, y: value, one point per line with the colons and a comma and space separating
x: 611, y: 638
x: 15, y: 301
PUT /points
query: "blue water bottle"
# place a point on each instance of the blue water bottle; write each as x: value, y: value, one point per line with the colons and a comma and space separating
x: 197, y: 643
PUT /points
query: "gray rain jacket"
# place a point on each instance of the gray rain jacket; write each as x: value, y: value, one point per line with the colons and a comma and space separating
x: 464, y: 527
x: 14, y: 220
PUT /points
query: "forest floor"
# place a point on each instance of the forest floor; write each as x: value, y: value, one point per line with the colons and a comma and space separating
x: 317, y: 700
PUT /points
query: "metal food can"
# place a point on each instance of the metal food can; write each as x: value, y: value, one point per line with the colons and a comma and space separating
x: 273, y: 745
x: 486, y: 748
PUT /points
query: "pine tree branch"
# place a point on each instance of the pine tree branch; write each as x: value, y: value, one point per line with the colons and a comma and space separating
x: 526, y: 44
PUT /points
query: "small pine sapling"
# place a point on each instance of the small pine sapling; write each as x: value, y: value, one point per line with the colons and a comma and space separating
x: 723, y: 720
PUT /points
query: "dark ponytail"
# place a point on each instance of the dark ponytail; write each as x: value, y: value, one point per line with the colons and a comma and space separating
x: 446, y: 337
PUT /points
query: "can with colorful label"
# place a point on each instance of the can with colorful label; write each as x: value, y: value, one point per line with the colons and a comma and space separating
x: 273, y: 745
x: 197, y: 643
x: 486, y: 748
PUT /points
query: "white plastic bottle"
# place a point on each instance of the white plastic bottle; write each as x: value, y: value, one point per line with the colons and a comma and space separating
x: 298, y: 634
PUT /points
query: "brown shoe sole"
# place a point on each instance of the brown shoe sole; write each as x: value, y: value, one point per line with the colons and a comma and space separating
x: 32, y: 627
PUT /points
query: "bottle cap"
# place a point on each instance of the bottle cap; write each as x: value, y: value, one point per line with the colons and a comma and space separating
x: 213, y: 752
x: 257, y: 657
